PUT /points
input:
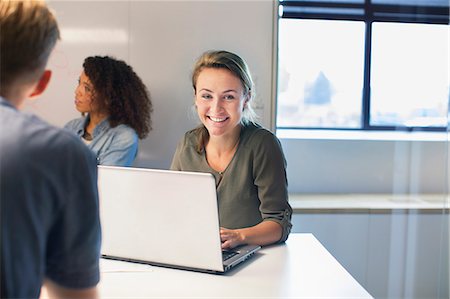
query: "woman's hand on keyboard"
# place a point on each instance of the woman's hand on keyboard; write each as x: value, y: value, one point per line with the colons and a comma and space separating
x: 231, y: 238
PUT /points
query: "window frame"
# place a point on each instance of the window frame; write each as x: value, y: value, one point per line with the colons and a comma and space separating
x: 370, y: 13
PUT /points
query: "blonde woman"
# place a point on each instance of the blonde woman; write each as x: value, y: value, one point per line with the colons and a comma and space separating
x: 246, y: 160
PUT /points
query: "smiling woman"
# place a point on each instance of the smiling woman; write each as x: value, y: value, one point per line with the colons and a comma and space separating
x: 220, y: 101
x: 246, y: 160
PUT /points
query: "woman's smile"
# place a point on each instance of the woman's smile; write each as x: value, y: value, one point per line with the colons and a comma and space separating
x: 219, y: 100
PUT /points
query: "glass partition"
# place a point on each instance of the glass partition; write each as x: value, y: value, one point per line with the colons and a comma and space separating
x: 362, y: 114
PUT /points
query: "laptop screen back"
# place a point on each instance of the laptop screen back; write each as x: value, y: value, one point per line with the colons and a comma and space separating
x: 160, y: 216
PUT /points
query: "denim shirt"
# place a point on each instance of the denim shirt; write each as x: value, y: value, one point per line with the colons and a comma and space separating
x: 113, y: 146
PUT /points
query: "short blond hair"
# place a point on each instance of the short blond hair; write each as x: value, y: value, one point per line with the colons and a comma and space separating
x: 28, y: 34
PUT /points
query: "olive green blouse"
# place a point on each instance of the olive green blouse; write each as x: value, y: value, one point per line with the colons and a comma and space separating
x: 253, y: 187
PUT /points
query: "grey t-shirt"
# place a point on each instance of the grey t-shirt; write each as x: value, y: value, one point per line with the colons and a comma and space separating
x: 253, y: 188
x: 50, y: 223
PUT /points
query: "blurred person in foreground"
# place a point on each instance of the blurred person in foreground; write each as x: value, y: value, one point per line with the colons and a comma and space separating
x: 50, y: 228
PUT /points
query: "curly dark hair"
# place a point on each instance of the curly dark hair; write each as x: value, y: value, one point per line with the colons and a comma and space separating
x: 119, y: 91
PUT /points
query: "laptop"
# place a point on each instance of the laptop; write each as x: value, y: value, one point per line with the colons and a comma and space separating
x: 164, y: 218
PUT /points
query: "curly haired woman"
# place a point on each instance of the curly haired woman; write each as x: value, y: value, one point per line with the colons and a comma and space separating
x: 115, y: 106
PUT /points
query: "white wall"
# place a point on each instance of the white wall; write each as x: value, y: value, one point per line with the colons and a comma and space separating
x: 366, y: 166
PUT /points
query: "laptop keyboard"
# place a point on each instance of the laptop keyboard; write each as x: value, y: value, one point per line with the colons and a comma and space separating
x: 226, y: 254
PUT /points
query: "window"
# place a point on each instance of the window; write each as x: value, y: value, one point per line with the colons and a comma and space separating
x: 366, y: 65
x: 409, y: 62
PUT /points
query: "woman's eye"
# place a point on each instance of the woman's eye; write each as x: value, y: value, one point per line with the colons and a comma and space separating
x: 206, y: 96
x: 87, y: 88
x: 229, y: 97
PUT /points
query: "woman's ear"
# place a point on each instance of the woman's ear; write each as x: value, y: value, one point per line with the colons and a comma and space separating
x: 247, y: 99
x: 42, y: 83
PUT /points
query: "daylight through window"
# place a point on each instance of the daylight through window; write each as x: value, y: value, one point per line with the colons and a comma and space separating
x: 364, y: 65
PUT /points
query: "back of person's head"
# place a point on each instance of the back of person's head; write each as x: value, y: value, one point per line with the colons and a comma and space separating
x: 121, y: 92
x: 28, y: 34
x: 237, y: 66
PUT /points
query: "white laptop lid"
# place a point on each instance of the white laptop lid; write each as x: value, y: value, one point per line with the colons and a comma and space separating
x: 160, y: 216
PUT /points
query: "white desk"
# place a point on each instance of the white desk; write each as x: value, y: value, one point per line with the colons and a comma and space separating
x: 301, y: 268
